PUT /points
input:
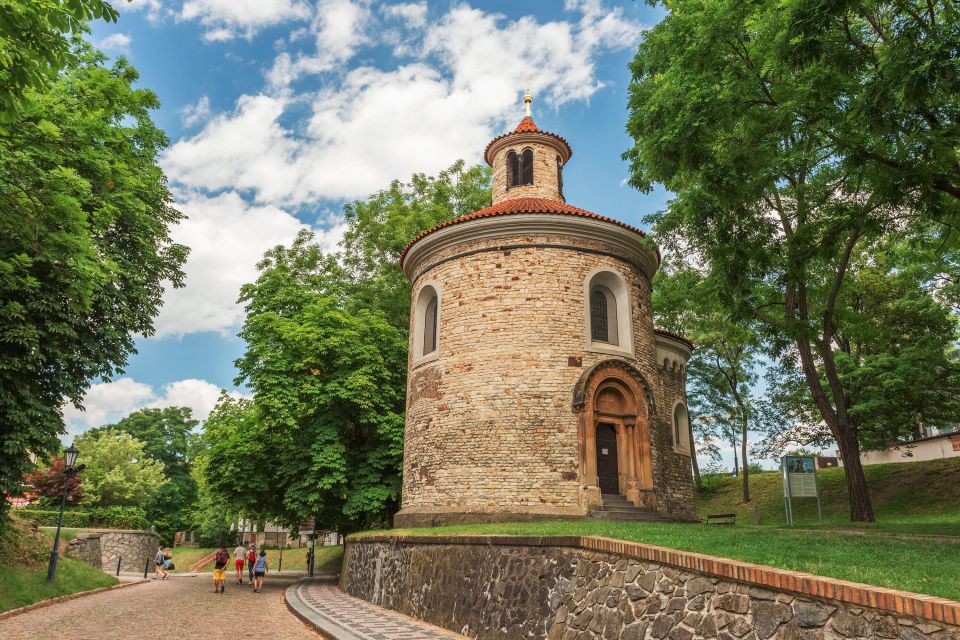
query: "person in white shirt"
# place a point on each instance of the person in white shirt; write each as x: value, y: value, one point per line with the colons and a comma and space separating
x: 239, y: 556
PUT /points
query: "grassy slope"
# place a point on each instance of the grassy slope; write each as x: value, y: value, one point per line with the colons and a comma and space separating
x: 922, y: 566
x: 910, y: 497
x: 23, y: 570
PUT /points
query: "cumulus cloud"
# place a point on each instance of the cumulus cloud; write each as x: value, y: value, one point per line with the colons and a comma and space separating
x: 194, y: 114
x: 226, y: 19
x: 413, y: 14
x: 108, y: 402
x: 227, y: 236
x: 372, y: 125
x: 119, y: 42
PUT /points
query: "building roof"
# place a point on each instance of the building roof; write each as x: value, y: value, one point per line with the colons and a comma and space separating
x: 524, y: 205
x: 674, y: 335
x: 527, y: 125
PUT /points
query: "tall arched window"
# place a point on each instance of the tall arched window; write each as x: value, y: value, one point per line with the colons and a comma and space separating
x: 426, y: 324
x: 560, y: 176
x: 608, y: 313
x: 430, y: 327
x: 526, y: 167
x: 513, y: 169
x: 681, y: 429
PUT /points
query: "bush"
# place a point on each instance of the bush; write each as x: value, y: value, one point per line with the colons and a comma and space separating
x: 105, y: 517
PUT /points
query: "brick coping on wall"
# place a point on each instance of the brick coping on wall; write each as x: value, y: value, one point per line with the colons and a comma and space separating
x: 891, y: 600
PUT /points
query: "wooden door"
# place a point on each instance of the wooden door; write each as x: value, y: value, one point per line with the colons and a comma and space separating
x: 607, y: 470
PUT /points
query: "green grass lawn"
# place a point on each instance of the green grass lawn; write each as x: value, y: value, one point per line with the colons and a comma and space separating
x: 922, y: 566
x: 328, y: 558
x: 20, y: 586
x: 23, y: 568
x: 908, y: 498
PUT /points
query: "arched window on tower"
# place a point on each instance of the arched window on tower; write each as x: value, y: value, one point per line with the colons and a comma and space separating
x: 430, y: 327
x: 526, y: 167
x: 560, y: 176
x: 426, y: 325
x: 513, y: 169
x: 603, y: 315
x: 607, y: 314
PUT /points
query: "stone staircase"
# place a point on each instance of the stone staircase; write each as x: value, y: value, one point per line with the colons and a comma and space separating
x: 617, y: 507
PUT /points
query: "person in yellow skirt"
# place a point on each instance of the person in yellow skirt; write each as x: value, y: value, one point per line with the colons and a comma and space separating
x: 220, y: 570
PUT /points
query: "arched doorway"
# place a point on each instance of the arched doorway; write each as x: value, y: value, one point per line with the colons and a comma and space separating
x: 613, y: 401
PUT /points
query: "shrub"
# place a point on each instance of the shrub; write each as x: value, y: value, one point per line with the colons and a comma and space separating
x: 105, y: 517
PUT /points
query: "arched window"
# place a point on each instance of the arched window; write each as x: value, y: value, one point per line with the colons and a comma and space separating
x: 513, y: 169
x: 426, y: 325
x: 609, y: 328
x: 430, y: 327
x: 681, y: 429
x: 603, y: 308
x: 560, y: 176
x: 526, y: 167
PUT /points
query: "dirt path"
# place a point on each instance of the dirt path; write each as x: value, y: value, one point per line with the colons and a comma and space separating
x: 173, y: 608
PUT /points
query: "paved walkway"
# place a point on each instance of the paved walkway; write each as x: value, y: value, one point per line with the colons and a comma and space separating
x: 172, y: 608
x: 343, y: 617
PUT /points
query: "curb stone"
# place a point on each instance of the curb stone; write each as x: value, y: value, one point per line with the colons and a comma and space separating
x: 70, y: 596
x: 321, y: 624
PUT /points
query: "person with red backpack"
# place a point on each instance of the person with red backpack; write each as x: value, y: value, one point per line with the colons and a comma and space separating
x: 220, y: 570
x: 251, y: 561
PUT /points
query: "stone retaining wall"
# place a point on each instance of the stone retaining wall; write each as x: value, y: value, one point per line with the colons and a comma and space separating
x: 102, y: 549
x: 588, y: 588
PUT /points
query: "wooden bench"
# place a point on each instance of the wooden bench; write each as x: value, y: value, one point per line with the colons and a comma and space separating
x: 722, y: 518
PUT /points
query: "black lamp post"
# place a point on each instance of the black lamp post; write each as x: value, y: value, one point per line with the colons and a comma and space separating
x: 69, y: 461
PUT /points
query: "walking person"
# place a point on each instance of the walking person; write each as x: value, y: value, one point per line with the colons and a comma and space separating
x: 168, y: 565
x: 251, y: 562
x: 239, y: 556
x: 259, y: 571
x: 158, y: 561
x: 220, y: 570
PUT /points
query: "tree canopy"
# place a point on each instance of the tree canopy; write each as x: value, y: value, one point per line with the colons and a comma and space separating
x: 117, y: 473
x: 800, y: 145
x: 85, y: 247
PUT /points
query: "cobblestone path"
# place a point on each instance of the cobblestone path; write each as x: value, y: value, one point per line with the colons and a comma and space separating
x: 365, y: 620
x: 174, y: 608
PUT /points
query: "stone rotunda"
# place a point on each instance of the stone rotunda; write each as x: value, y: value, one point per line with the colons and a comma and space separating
x: 538, y: 386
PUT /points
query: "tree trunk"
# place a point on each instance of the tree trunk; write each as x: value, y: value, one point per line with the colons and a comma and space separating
x: 861, y: 507
x: 744, y: 466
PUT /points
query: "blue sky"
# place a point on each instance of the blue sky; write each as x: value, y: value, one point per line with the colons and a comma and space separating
x: 279, y: 111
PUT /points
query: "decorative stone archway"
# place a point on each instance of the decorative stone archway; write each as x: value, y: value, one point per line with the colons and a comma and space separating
x: 614, y: 393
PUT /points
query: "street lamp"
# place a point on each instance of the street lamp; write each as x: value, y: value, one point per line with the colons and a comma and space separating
x: 70, y: 462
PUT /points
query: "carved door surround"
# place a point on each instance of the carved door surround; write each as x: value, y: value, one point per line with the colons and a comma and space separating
x: 614, y: 393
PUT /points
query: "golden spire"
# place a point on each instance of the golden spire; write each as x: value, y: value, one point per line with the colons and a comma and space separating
x: 527, y: 100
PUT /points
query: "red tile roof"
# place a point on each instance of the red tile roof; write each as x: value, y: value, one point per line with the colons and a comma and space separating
x: 522, y: 205
x: 527, y: 124
x: 674, y: 335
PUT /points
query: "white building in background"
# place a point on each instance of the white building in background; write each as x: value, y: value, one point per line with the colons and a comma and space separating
x: 933, y: 446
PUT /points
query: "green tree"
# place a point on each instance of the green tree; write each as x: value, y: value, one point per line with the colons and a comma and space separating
x: 763, y: 144
x: 36, y: 44
x: 118, y: 472
x: 168, y: 436
x: 723, y: 367
x: 85, y: 247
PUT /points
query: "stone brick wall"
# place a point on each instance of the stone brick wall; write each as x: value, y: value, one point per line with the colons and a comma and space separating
x: 489, y: 426
x: 507, y: 588
x: 102, y: 549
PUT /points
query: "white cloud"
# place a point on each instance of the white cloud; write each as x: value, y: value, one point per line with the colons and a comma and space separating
x: 193, y: 114
x: 108, y: 402
x: 227, y: 236
x: 371, y: 126
x: 153, y: 8
x: 413, y: 14
x: 115, y: 42
x: 226, y: 19
x: 339, y: 28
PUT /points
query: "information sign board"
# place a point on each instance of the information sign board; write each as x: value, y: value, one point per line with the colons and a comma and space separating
x: 799, y: 481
